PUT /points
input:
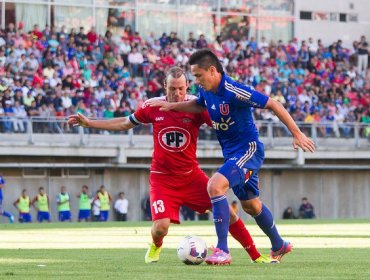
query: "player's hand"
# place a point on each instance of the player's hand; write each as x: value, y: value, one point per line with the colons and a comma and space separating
x: 79, y: 120
x: 302, y: 141
x: 163, y: 105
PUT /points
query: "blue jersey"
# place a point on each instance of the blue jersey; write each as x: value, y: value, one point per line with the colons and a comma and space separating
x: 230, y: 112
x: 2, y: 182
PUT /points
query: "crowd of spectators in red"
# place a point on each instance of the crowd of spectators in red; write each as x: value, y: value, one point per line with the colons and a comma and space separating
x: 54, y: 72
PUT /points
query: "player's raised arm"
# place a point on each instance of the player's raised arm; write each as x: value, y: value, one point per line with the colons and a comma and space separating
x: 187, y: 106
x: 299, y: 138
x: 111, y: 124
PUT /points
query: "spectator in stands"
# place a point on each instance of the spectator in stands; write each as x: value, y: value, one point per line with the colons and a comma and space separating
x: 306, y: 210
x: 201, y: 42
x: 363, y: 56
x: 135, y: 59
x: 20, y: 115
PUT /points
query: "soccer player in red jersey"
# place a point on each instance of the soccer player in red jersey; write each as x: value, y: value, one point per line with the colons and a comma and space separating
x: 175, y: 177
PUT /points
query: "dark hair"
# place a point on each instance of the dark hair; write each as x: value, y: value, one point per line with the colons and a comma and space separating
x: 205, y: 58
x: 176, y: 72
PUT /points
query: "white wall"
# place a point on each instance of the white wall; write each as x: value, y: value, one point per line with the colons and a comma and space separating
x: 332, y: 31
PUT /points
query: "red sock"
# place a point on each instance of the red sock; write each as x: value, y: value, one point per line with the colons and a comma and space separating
x: 158, y: 241
x: 240, y: 233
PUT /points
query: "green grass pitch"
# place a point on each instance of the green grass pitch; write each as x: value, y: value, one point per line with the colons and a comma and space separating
x: 128, y: 264
x: 124, y: 263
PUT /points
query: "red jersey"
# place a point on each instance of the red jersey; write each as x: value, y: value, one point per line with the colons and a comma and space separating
x: 175, y: 137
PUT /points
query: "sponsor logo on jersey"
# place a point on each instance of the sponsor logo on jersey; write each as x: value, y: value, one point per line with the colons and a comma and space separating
x: 224, y: 109
x: 186, y: 120
x: 213, y: 107
x: 158, y: 119
x: 174, y: 139
x: 223, y: 125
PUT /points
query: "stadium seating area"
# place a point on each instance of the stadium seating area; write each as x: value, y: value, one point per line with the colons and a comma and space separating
x: 55, y: 73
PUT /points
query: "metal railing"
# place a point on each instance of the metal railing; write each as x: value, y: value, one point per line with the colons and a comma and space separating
x: 272, y: 133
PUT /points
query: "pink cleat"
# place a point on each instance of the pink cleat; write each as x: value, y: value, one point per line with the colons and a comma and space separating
x: 218, y: 257
x: 278, y: 255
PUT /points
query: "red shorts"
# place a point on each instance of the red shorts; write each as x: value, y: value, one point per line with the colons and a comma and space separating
x: 169, y: 192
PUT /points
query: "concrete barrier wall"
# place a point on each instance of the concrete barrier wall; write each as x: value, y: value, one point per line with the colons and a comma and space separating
x: 334, y: 193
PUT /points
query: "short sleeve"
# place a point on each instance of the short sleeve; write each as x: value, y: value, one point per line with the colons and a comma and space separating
x: 200, y: 99
x: 247, y: 96
x: 142, y: 115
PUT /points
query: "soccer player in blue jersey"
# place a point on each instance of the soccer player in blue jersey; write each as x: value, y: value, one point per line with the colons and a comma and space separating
x: 229, y: 105
x: 3, y: 212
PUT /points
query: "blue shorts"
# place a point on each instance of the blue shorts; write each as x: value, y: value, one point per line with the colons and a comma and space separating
x: 242, y: 171
x: 83, y: 214
x: 25, y: 218
x: 64, y: 216
x: 43, y: 216
x: 104, y: 215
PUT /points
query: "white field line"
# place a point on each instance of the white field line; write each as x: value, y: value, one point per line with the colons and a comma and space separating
x: 302, y: 236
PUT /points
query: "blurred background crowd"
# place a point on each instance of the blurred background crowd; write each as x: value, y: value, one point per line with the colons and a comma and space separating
x: 48, y: 72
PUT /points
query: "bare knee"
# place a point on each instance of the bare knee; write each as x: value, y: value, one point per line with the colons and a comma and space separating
x: 253, y: 207
x: 160, y: 227
x: 217, y: 185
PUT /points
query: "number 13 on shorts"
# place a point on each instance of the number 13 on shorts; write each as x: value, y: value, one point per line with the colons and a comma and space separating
x: 158, y: 206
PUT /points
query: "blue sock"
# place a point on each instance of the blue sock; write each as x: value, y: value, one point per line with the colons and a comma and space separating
x: 6, y: 214
x: 266, y: 222
x: 220, y: 208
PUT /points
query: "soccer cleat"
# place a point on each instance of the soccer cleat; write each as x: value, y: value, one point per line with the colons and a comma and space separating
x: 11, y: 219
x: 152, y: 255
x: 218, y: 257
x: 278, y: 255
x: 265, y: 259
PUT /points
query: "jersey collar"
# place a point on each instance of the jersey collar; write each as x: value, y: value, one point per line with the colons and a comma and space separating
x: 221, y: 85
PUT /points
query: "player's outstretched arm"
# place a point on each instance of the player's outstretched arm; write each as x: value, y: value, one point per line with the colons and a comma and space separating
x: 187, y: 106
x: 111, y: 124
x: 299, y: 138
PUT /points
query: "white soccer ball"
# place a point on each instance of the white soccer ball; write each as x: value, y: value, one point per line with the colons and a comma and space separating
x: 192, y: 250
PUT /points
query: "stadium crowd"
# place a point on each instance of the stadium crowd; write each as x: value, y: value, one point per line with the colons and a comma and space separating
x: 54, y: 72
